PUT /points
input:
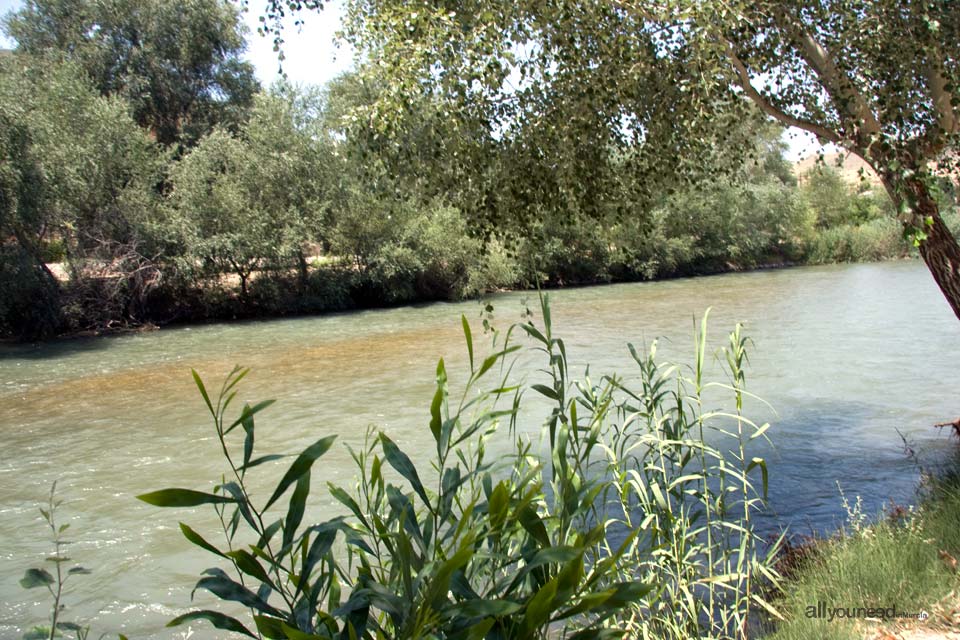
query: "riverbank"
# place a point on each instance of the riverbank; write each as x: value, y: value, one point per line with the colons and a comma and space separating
x: 894, y: 579
x: 275, y: 296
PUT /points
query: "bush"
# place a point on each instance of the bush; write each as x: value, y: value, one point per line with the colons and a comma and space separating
x: 629, y: 522
x: 53, y: 251
x: 29, y: 297
x: 878, y: 239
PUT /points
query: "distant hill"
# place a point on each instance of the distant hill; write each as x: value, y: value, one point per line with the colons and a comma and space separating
x: 847, y: 164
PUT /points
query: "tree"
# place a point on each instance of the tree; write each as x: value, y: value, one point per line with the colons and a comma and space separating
x: 177, y: 63
x: 877, y: 77
x: 251, y: 201
x: 79, y: 174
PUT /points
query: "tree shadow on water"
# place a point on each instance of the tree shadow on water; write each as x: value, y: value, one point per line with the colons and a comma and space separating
x: 852, y: 447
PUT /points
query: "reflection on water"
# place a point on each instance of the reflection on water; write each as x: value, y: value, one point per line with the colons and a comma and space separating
x: 847, y: 356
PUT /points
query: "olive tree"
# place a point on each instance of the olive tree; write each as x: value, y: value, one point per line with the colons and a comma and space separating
x: 250, y: 201
x: 176, y: 63
x: 78, y: 176
x: 876, y: 77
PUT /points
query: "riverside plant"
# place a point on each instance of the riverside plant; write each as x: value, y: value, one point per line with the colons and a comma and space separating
x: 55, y: 582
x: 623, y: 521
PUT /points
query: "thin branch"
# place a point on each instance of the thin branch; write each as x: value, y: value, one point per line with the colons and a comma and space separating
x: 839, y: 86
x: 770, y: 109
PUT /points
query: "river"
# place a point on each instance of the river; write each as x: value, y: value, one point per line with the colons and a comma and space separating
x: 849, y: 356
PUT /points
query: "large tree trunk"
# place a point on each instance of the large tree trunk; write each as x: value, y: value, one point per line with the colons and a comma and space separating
x: 939, y: 250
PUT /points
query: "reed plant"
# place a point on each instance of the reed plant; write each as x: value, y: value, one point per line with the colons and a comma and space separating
x: 55, y: 580
x: 632, y: 516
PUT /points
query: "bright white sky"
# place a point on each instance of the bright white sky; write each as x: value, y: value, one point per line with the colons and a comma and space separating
x: 313, y: 57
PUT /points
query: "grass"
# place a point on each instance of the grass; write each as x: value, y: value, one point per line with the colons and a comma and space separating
x: 906, y: 560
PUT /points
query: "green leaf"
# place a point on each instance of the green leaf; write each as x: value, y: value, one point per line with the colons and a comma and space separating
x: 490, y: 360
x: 498, y: 506
x: 181, y: 498
x: 249, y: 565
x: 436, y: 419
x: 198, y: 540
x: 488, y: 608
x: 344, y: 498
x: 203, y: 390
x: 247, y: 414
x: 270, y: 627
x: 298, y: 504
x: 760, y: 462
x: 534, y: 333
x: 326, y: 535
x: 268, y: 533
x: 36, y: 578
x: 217, y: 619
x: 256, y: 462
x: 401, y: 462
x: 219, y: 584
x: 469, y: 338
x: 533, y: 524
x: 547, y: 391
x: 296, y: 634
x: 300, y: 466
x: 249, y: 429
x: 539, y: 607
x: 79, y: 571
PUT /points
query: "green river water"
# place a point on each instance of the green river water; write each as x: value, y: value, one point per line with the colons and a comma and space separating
x: 847, y: 355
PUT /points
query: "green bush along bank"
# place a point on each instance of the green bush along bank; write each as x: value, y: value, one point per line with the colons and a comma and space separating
x: 118, y: 209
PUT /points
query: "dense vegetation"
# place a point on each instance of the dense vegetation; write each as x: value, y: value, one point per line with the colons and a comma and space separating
x: 152, y: 181
x: 631, y: 516
x: 669, y: 85
x: 905, y: 563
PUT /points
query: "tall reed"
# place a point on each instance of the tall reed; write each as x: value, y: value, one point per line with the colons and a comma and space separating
x: 632, y: 517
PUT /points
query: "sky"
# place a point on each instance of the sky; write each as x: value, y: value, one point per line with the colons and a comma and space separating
x: 312, y: 57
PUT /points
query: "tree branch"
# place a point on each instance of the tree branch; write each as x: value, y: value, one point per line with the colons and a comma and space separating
x: 850, y: 102
x: 947, y: 121
x: 770, y: 109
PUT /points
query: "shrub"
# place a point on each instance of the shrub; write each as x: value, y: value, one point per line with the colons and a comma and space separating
x: 29, y: 297
x: 879, y: 239
x: 628, y: 522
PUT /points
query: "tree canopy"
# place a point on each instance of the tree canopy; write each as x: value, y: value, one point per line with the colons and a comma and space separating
x: 877, y: 77
x: 176, y: 62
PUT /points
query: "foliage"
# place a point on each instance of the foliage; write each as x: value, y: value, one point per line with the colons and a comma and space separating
x: 837, y: 204
x: 901, y: 560
x: 628, y: 522
x: 77, y: 172
x: 55, y: 584
x: 177, y: 64
x: 252, y: 201
x: 30, y: 305
x: 668, y: 82
x: 388, y: 186
x: 879, y: 239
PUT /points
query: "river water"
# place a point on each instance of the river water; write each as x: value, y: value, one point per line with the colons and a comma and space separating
x: 850, y: 357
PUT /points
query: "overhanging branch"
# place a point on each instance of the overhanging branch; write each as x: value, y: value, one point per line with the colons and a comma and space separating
x: 849, y: 101
x: 770, y: 109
